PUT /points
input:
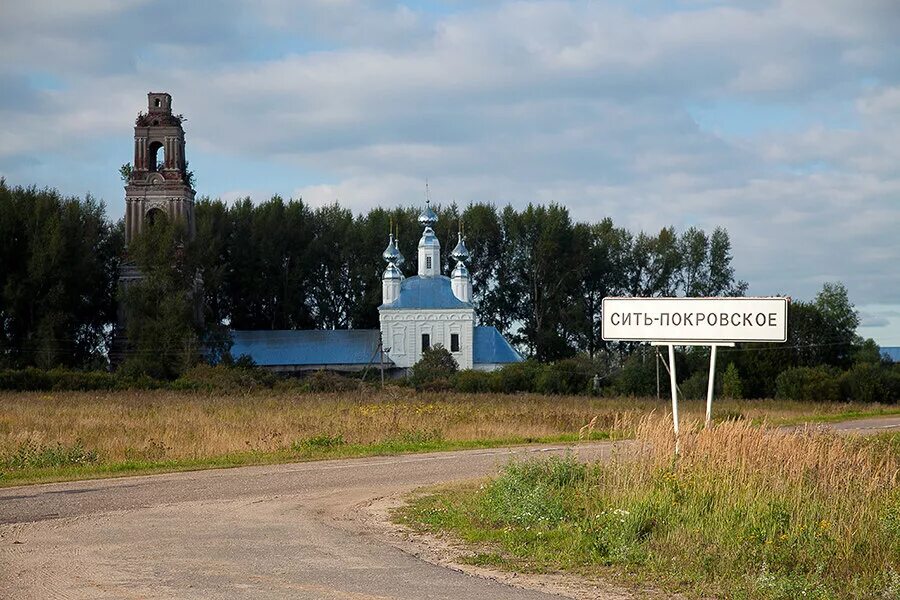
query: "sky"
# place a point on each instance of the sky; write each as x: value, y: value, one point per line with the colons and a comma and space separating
x: 779, y: 120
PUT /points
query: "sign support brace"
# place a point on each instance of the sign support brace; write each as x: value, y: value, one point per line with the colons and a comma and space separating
x: 674, y: 385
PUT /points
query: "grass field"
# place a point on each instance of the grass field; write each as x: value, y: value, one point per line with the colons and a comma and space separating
x: 742, y: 513
x: 70, y: 435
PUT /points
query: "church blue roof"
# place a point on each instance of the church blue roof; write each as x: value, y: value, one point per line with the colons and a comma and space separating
x: 321, y: 348
x: 307, y: 347
x: 490, y: 347
x: 892, y: 352
x: 426, y: 292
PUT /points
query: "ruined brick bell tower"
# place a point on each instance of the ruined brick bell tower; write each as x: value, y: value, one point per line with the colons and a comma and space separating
x: 159, y: 185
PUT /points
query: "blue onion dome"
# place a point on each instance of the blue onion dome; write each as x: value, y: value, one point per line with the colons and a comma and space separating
x: 391, y: 253
x: 460, y: 252
x: 460, y: 271
x: 428, y: 217
x: 392, y: 272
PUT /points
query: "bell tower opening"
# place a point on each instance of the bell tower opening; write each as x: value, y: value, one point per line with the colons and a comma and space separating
x: 156, y: 160
x: 155, y: 216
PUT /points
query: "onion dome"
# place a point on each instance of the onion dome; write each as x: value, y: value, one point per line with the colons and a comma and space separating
x: 460, y: 252
x: 391, y: 253
x: 428, y: 217
x: 400, y: 259
x: 460, y: 271
x: 391, y: 272
x: 429, y: 239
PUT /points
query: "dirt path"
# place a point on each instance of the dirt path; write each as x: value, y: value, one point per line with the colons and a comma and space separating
x: 301, y: 531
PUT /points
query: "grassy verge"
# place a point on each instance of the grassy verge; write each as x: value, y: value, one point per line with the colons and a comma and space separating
x: 742, y: 514
x: 72, y: 435
x: 44, y: 470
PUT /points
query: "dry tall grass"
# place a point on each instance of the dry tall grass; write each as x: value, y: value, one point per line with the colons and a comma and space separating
x: 800, y: 511
x: 163, y: 425
x: 743, y: 512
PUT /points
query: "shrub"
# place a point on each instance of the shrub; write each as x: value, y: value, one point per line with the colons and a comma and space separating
x: 222, y: 378
x: 732, y: 386
x: 570, y: 376
x: 329, y: 381
x: 473, y: 382
x: 436, y: 365
x: 517, y: 377
x: 638, y: 376
x: 821, y: 384
x: 695, y: 386
x: 868, y: 382
x: 32, y: 379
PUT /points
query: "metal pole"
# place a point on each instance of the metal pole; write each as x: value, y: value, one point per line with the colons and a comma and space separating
x: 674, y: 386
x: 657, y: 372
x: 711, y: 385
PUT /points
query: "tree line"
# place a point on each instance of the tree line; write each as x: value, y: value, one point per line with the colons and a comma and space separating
x: 538, y: 276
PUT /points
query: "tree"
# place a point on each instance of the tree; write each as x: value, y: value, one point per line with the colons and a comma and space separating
x: 59, y: 260
x: 164, y: 333
x: 436, y: 365
x: 732, y: 387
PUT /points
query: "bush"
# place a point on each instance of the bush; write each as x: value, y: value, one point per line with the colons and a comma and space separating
x: 638, y: 376
x: 328, y: 381
x: 820, y: 384
x: 32, y: 379
x: 435, y: 368
x: 517, y: 377
x: 869, y: 382
x: 695, y: 386
x: 222, y: 378
x: 732, y: 386
x: 570, y: 376
x: 471, y: 381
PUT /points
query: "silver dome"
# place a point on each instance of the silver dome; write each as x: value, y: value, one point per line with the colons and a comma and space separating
x: 429, y: 239
x: 428, y: 217
x: 460, y: 271
x: 392, y: 272
x: 460, y: 252
x: 391, y: 253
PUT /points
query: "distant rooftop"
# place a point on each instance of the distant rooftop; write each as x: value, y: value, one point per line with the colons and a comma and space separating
x: 309, y: 348
x: 892, y: 352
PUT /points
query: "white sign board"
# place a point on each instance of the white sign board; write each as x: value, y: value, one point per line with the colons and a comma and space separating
x: 695, y: 320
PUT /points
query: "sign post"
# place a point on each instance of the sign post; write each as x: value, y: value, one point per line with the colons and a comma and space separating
x: 709, y: 322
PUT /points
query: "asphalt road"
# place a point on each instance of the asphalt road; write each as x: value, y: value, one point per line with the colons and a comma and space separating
x: 285, y: 531
x: 296, y: 531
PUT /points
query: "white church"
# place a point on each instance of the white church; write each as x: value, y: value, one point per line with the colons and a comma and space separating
x: 417, y: 312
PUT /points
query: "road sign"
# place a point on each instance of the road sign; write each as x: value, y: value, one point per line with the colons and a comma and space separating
x: 701, y: 321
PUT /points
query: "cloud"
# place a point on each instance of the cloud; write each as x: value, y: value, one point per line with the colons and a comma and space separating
x: 589, y: 104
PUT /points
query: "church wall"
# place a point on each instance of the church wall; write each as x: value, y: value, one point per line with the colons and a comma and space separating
x: 401, y: 331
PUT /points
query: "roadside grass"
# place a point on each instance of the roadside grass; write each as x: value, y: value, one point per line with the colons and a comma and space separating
x: 742, y: 513
x: 75, y: 435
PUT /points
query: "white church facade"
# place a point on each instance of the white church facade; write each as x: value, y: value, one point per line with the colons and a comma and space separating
x: 428, y: 309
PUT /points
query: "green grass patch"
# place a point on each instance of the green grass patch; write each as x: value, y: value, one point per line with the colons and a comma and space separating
x: 36, y: 464
x: 705, y: 527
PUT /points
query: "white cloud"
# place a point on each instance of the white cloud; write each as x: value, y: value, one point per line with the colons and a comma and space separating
x: 582, y: 103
